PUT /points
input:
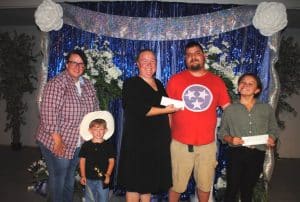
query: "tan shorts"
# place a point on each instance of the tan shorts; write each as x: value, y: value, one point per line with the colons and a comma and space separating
x: 202, y: 161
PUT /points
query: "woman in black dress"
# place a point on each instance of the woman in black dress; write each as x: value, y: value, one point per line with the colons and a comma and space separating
x: 145, y: 164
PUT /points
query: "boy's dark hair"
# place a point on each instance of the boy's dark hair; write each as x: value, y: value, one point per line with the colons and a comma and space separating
x: 142, y: 51
x: 77, y: 52
x: 193, y: 44
x: 95, y: 122
x: 256, y: 78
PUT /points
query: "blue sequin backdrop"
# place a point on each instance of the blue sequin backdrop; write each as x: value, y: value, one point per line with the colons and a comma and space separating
x: 88, y: 24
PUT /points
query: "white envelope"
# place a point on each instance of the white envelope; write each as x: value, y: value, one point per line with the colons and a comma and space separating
x: 165, y: 101
x: 255, y: 140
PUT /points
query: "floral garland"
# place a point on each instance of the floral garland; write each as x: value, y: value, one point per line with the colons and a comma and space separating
x: 103, y: 73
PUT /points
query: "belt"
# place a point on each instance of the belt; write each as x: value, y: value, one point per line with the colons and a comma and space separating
x: 190, y: 148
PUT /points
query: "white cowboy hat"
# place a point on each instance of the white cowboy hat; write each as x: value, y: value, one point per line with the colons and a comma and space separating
x: 88, y: 118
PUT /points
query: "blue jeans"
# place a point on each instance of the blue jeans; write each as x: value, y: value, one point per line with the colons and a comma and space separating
x: 94, y: 191
x: 61, y: 175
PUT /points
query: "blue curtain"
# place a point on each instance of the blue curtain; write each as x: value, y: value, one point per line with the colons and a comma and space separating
x: 247, y: 46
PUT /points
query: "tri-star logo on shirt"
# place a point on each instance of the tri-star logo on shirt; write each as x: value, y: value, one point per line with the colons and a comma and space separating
x: 197, y: 98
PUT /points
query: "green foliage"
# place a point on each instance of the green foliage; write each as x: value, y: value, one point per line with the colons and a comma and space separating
x: 106, y: 92
x: 16, y: 76
x: 230, y: 87
x: 289, y: 76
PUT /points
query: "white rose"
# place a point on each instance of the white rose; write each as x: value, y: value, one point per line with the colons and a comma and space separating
x: 94, y: 72
x: 216, y: 66
x: 107, y: 55
x: 214, y: 50
x: 108, y: 78
x: 99, y: 63
x: 223, y: 58
x: 86, y: 76
x: 223, y: 171
x: 112, y: 73
x: 106, y: 43
x: 226, y: 44
x: 220, y: 183
x: 270, y: 17
x: 48, y: 16
x: 120, y: 83
x: 117, y: 70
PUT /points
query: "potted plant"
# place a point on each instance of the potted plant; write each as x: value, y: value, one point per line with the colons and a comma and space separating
x: 289, y: 76
x: 16, y: 78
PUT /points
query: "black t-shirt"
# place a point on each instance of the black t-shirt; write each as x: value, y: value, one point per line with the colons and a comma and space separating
x: 96, y: 155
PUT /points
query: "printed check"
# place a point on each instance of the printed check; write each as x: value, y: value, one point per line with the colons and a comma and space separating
x: 165, y: 101
x: 255, y: 140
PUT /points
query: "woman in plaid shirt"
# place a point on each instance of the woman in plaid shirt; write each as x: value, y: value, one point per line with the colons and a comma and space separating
x: 65, y: 100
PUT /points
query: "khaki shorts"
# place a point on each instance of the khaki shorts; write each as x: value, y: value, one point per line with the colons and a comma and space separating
x: 202, y: 161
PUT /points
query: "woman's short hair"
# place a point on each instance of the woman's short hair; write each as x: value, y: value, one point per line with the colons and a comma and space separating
x: 77, y: 52
x: 142, y: 51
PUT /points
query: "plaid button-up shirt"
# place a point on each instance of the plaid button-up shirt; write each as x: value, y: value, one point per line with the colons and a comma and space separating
x: 62, y: 109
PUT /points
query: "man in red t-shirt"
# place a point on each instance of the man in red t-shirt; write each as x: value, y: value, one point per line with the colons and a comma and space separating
x: 193, y: 145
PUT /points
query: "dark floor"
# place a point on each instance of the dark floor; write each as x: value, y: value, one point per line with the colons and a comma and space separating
x: 14, y: 178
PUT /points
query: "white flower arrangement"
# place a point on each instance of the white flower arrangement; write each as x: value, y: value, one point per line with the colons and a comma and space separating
x: 221, y: 181
x: 40, y: 176
x: 48, y: 16
x: 270, y: 17
x: 39, y: 169
x: 103, y: 73
x: 220, y: 186
x: 217, y: 61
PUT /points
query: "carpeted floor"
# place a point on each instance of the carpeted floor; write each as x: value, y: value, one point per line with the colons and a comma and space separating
x: 14, y: 178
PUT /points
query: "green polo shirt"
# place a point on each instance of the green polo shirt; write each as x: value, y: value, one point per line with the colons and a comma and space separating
x: 237, y: 121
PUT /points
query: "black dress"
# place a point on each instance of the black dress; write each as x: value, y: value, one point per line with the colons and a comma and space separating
x: 145, y: 164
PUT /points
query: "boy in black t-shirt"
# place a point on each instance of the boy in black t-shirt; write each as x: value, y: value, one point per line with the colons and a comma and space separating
x: 97, y: 159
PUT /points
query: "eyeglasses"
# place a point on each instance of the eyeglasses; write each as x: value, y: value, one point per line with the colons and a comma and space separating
x: 77, y: 64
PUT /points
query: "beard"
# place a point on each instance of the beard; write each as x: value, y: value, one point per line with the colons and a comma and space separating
x: 195, y: 67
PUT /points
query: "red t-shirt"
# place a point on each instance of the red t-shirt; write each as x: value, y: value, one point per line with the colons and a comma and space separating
x: 196, y: 124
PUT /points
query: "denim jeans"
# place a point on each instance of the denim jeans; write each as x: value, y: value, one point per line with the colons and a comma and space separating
x: 94, y: 191
x: 61, y: 175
